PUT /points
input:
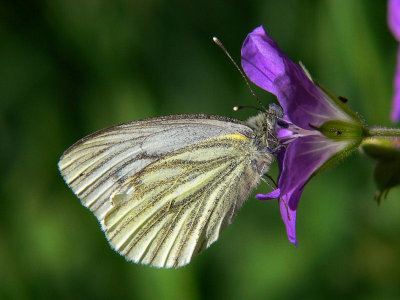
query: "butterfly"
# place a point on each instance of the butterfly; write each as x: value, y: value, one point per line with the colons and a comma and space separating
x: 164, y: 188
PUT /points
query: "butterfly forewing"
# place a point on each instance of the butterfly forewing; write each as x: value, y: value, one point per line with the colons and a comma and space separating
x: 96, y: 165
x: 164, y: 188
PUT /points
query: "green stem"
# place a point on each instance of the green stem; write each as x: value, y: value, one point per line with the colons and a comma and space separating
x: 382, y: 131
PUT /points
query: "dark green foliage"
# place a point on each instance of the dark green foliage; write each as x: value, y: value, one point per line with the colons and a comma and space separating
x: 68, y: 68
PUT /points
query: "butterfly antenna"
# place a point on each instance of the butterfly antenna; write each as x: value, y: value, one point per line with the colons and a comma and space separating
x: 239, y: 107
x: 219, y: 43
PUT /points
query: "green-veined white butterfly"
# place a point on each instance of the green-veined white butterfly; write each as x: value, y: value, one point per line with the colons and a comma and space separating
x: 164, y: 188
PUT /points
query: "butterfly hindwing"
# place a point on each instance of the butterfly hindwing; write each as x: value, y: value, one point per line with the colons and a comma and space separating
x: 176, y: 206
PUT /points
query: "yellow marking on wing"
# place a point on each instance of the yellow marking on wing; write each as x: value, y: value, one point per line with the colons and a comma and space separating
x: 235, y: 137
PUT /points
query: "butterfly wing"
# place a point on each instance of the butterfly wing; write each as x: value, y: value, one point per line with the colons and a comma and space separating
x: 164, y: 188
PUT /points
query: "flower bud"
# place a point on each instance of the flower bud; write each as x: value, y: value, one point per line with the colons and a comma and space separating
x: 386, y: 152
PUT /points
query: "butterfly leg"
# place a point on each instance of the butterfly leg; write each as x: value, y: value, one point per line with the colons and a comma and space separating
x: 270, y: 183
x: 274, y: 150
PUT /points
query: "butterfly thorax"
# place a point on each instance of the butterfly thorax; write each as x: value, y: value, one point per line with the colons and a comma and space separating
x: 264, y: 126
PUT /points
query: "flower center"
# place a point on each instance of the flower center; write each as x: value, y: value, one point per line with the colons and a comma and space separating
x: 288, y: 131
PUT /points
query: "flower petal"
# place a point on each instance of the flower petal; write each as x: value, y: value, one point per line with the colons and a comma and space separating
x: 304, y: 156
x: 268, y: 67
x: 396, y: 97
x: 394, y: 17
x: 262, y: 60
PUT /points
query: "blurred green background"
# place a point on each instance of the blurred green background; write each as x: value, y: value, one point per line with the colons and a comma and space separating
x: 69, y: 68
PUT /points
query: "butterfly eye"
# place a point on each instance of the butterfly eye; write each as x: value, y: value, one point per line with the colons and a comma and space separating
x: 282, y: 124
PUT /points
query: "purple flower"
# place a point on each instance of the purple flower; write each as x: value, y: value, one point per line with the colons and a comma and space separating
x: 319, y: 131
x: 394, y: 25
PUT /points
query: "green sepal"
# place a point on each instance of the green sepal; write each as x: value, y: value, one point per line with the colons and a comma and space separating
x: 342, y: 131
